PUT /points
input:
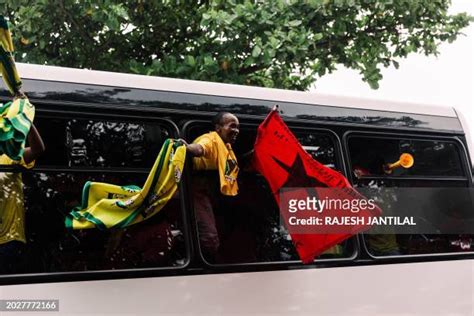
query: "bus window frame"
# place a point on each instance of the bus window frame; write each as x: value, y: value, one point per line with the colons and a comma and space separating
x: 68, y: 276
x: 465, y: 165
x: 466, y: 168
x: 302, y: 128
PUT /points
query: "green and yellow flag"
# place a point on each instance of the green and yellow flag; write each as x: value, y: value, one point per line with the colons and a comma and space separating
x: 107, y: 206
x: 15, y: 121
x: 7, y: 63
x: 15, y: 117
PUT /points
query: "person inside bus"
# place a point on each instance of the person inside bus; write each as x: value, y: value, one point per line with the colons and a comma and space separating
x: 213, y: 152
x: 379, y: 244
x: 12, y: 210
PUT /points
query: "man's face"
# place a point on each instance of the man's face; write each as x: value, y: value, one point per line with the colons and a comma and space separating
x: 228, y: 129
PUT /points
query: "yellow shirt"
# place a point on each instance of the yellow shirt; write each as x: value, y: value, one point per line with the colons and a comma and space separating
x: 12, y: 209
x: 221, y: 157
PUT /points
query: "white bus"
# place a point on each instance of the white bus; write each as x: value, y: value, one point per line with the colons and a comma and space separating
x: 108, y: 127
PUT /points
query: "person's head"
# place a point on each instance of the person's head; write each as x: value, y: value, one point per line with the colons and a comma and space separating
x: 227, y: 126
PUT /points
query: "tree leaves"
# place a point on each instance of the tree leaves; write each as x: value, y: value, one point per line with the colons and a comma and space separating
x: 284, y: 44
x: 256, y: 51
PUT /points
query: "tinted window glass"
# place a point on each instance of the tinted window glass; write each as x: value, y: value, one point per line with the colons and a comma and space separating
x: 100, y: 143
x: 321, y: 147
x: 431, y: 158
x: 156, y: 242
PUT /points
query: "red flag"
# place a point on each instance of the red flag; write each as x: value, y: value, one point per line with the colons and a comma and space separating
x: 281, y: 159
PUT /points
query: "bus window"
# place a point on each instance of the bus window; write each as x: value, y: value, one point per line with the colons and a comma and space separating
x: 94, y: 150
x: 437, y: 164
x: 433, y: 158
x: 248, y: 225
x: 101, y: 143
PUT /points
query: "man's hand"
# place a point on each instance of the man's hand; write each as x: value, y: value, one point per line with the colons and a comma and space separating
x: 183, y: 141
x: 19, y: 95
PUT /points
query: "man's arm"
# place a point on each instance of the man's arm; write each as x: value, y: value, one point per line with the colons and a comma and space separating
x: 194, y: 150
x: 36, y: 145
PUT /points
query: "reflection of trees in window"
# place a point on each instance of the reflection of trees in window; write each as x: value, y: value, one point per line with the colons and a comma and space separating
x: 320, y: 147
x: 105, y: 143
x: 381, y: 120
x: 113, y: 144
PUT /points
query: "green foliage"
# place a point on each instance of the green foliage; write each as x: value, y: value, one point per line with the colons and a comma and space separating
x: 284, y: 44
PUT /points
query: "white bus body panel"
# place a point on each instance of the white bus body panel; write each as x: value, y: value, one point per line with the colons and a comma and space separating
x: 434, y: 288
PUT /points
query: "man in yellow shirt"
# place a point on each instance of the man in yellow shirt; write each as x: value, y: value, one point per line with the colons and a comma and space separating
x: 12, y: 211
x: 213, y: 152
